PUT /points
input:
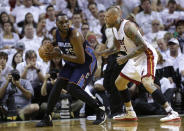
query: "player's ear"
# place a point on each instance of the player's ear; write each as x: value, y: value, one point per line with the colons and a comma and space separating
x: 116, y: 17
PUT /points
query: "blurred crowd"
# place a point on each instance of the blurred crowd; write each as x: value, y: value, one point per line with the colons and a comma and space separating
x: 26, y: 80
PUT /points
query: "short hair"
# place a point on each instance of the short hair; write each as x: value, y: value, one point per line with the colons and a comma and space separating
x: 4, y: 55
x: 45, y: 38
x: 179, y: 23
x: 60, y: 14
x: 92, y: 3
x: 142, y: 1
x: 76, y: 13
x: 28, y: 25
x: 49, y: 6
x: 85, y: 23
x: 9, y: 23
x: 101, y: 11
x: 29, y: 53
x: 171, y: 2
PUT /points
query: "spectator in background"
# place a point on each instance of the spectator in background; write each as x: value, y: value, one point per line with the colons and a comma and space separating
x: 17, y: 58
x: 156, y: 33
x: 101, y: 16
x: 51, y: 17
x: 172, y: 16
x: 33, y: 71
x: 41, y: 30
x: 19, y: 12
x: 93, y: 19
x: 19, y: 47
x: 8, y: 38
x: 31, y: 41
x: 145, y: 17
x: 179, y: 34
x: 168, y: 36
x: 4, y: 17
x: 85, y: 29
x: 72, y: 6
x: 77, y: 21
x: 43, y: 2
x: 91, y: 38
x: 28, y: 20
x: 18, y: 93
x: 174, y: 55
x: 4, y: 68
x: 128, y: 7
x: 162, y: 47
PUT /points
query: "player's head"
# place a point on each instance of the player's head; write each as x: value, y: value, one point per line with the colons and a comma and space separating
x: 113, y: 16
x: 62, y: 22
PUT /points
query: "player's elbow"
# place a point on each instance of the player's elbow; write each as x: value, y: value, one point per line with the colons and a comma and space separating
x: 81, y: 60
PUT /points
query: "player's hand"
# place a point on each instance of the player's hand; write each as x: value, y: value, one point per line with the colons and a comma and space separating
x: 121, y: 60
x: 57, y: 52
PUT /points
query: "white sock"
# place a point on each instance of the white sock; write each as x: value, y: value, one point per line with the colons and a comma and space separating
x: 168, y: 109
x: 130, y: 108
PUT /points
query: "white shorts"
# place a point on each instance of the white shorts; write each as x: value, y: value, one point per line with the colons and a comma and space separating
x: 140, y: 66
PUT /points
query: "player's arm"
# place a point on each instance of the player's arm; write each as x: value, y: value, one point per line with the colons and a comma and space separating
x: 132, y: 32
x: 109, y: 51
x: 77, y: 41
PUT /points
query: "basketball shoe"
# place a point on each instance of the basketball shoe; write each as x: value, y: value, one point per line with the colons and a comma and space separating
x: 173, y: 116
x: 129, y: 115
x: 100, y: 116
x: 46, y: 121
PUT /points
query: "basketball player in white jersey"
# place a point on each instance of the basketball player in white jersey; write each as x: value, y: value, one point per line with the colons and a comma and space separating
x: 140, y: 68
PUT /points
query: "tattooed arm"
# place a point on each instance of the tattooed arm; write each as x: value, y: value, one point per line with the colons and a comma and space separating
x: 132, y: 32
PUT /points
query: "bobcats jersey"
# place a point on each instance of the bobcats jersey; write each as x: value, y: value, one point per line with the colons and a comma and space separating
x: 67, y: 48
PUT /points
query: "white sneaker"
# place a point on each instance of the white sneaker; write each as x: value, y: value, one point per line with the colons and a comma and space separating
x: 173, y: 116
x: 130, y: 116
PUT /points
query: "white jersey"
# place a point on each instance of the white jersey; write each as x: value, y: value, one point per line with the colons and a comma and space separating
x: 140, y: 66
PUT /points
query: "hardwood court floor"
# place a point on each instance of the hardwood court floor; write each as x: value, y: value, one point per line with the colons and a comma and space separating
x: 150, y: 123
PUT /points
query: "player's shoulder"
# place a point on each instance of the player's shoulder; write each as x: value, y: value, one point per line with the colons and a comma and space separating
x: 129, y: 25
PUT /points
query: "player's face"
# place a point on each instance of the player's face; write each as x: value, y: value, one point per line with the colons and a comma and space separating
x: 63, y: 23
x: 110, y: 20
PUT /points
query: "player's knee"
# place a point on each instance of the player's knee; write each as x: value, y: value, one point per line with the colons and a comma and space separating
x: 148, y: 84
x: 120, y: 84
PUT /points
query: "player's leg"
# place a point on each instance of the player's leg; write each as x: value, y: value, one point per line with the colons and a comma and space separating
x: 77, y: 92
x: 159, y: 98
x: 80, y: 77
x: 121, y: 84
x: 53, y: 98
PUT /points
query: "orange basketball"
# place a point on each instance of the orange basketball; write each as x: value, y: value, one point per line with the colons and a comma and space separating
x: 46, y: 51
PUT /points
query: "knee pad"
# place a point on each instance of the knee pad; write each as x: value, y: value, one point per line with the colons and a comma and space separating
x: 149, y: 85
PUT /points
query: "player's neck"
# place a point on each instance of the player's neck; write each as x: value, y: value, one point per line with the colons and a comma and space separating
x: 118, y: 24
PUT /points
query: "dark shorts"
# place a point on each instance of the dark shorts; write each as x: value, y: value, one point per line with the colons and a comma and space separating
x: 80, y: 74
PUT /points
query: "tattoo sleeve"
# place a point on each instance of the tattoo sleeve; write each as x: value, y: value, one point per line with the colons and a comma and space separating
x: 133, y: 33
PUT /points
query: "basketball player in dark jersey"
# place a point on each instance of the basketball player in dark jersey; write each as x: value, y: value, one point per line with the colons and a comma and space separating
x: 80, y: 64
